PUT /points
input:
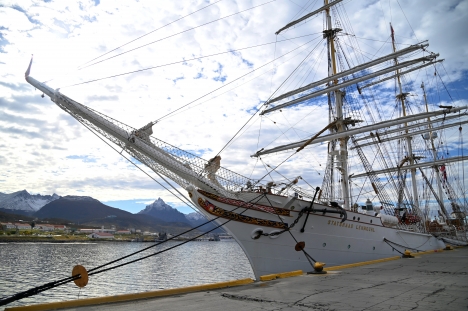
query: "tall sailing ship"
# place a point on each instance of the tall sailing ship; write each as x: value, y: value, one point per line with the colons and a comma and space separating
x: 282, y: 226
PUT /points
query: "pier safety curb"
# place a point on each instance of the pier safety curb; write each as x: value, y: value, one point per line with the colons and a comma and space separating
x: 370, y: 262
x: 128, y: 297
x: 270, y: 277
x: 358, y: 264
x: 275, y: 276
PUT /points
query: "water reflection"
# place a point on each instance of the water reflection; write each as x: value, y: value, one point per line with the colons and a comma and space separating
x: 26, y: 265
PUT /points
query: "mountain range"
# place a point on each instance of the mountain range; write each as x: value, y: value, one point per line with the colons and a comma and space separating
x: 87, y: 211
x: 160, y: 209
x: 23, y: 201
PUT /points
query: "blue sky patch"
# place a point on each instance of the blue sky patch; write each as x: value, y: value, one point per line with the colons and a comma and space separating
x: 221, y: 77
x: 3, y: 41
x: 85, y: 158
x: 31, y: 19
x: 136, y: 205
x: 177, y: 79
x: 132, y: 206
x: 18, y: 8
x: 252, y: 110
x: 199, y: 152
x: 249, y: 64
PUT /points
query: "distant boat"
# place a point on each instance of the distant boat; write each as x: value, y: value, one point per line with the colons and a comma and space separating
x: 162, y: 237
x: 214, y: 238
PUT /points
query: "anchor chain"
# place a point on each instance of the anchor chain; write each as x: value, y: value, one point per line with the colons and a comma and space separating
x: 289, y: 228
x: 305, y: 209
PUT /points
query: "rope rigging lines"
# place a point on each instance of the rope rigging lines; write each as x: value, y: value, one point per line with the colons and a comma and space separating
x: 85, y: 65
x: 190, y: 29
x: 183, y: 61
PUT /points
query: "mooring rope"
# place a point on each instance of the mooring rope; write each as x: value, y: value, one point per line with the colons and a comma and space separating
x: 406, y: 247
x: 50, y: 285
x: 309, y: 258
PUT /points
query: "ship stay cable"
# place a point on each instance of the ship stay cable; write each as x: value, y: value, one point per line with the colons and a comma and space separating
x: 184, y: 200
x: 299, y: 149
x: 179, y: 33
x: 191, y: 59
x: 170, y: 113
x: 193, y: 106
x: 265, y: 103
x: 148, y: 33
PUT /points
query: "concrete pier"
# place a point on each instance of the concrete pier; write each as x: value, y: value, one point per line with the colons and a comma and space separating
x: 435, y: 281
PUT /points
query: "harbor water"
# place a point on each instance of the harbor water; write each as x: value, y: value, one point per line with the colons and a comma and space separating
x: 27, y: 265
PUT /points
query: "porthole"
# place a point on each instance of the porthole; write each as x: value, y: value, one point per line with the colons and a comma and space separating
x: 359, y: 218
x: 373, y: 248
x: 349, y: 246
x: 354, y: 217
x: 324, y: 244
x: 371, y: 221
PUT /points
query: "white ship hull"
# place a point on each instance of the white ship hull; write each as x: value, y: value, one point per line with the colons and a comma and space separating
x: 360, y: 238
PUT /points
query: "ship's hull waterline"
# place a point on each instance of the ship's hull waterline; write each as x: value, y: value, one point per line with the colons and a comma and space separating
x: 360, y: 238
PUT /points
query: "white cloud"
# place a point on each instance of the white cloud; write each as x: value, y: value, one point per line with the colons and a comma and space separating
x: 145, y: 202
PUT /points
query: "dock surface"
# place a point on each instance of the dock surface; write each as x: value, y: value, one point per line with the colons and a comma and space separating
x: 436, y: 281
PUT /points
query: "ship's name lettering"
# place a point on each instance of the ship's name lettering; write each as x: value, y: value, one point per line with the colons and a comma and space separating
x: 348, y: 225
x: 370, y: 229
x: 340, y: 224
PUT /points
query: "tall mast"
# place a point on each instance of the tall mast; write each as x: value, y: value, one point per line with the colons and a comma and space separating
x: 402, y: 97
x: 434, y: 154
x: 342, y: 154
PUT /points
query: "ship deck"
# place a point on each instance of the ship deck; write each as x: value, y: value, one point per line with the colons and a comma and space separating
x: 431, y: 281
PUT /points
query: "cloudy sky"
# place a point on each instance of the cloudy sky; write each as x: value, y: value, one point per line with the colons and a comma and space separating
x: 215, y: 58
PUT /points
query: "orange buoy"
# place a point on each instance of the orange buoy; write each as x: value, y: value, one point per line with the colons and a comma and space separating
x: 83, y: 280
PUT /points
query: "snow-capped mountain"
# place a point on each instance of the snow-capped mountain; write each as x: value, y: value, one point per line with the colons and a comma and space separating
x: 161, y: 210
x: 22, y: 200
x: 195, y: 217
